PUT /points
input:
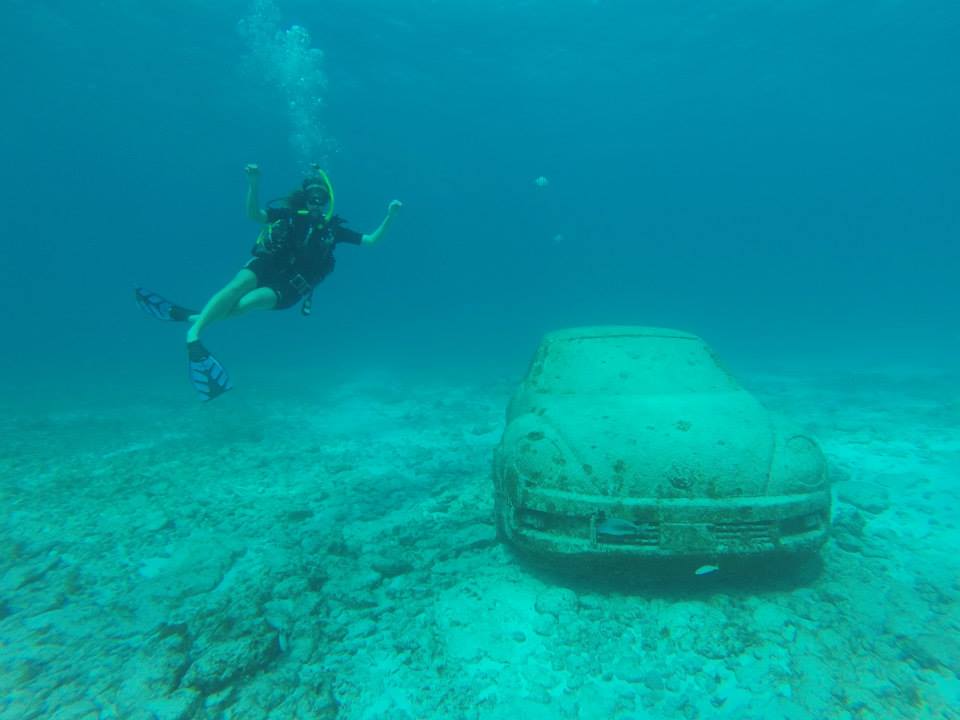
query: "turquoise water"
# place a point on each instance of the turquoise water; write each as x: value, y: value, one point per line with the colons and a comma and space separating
x: 779, y: 179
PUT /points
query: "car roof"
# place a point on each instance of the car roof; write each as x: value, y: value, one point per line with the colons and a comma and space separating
x: 620, y: 360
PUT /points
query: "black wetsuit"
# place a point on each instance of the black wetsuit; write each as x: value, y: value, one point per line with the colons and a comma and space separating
x: 297, y: 253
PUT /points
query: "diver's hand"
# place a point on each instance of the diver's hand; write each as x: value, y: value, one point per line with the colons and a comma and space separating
x: 253, y: 171
x: 394, y: 207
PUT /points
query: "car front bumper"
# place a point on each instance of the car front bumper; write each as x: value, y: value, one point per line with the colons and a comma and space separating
x: 559, y: 523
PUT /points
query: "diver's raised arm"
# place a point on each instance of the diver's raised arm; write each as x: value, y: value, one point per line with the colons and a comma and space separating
x: 254, y: 212
x: 377, y: 235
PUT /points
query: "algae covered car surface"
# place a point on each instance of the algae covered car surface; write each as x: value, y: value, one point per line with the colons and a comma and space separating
x: 635, y: 441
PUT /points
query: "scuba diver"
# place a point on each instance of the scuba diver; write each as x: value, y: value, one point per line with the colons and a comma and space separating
x: 292, y: 255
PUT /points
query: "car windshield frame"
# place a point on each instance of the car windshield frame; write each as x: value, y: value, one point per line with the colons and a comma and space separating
x: 629, y: 364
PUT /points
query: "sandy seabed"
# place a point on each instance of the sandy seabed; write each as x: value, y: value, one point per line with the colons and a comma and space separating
x: 334, y: 556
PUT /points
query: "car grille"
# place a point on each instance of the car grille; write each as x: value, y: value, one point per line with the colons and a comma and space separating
x: 744, y: 533
x: 688, y: 531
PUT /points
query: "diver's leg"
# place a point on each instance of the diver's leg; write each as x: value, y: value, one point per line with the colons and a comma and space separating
x: 263, y: 298
x: 221, y: 305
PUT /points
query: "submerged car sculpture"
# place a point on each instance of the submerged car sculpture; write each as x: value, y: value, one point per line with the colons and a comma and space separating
x: 634, y: 441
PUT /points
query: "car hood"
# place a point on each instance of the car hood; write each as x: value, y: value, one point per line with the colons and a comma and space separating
x: 698, y: 445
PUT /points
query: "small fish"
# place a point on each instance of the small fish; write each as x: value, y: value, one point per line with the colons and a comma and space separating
x: 706, y: 569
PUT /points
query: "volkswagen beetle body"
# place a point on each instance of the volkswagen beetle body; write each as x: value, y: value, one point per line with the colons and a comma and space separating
x: 634, y: 441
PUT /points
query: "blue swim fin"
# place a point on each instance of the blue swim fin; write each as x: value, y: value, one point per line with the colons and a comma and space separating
x: 161, y: 308
x: 206, y: 373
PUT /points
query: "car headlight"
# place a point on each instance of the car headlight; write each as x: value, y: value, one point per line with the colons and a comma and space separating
x: 798, y: 466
